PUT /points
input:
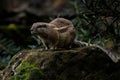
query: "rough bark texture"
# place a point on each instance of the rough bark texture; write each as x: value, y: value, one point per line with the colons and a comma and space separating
x: 75, y: 64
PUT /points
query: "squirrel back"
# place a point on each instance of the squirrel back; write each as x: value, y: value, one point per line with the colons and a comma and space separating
x: 66, y: 32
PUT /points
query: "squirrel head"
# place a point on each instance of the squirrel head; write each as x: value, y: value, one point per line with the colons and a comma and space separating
x: 38, y: 28
x: 41, y: 29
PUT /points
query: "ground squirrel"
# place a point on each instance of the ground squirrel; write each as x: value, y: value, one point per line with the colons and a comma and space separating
x: 59, y: 33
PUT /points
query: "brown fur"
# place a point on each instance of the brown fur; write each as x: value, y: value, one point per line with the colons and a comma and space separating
x: 59, y: 33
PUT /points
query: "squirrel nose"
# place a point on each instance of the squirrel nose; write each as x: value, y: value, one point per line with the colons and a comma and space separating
x: 32, y: 31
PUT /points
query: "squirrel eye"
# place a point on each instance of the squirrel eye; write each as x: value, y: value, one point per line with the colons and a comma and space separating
x: 42, y: 26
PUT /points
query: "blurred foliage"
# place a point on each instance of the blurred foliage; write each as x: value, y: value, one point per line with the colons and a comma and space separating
x: 98, y: 31
x: 98, y: 21
x: 7, y: 50
x: 20, y: 34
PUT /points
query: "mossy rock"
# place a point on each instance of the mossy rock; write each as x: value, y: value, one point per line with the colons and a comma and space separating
x: 74, y: 64
x: 28, y: 71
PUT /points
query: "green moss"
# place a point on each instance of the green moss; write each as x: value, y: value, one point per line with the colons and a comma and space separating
x: 28, y: 71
